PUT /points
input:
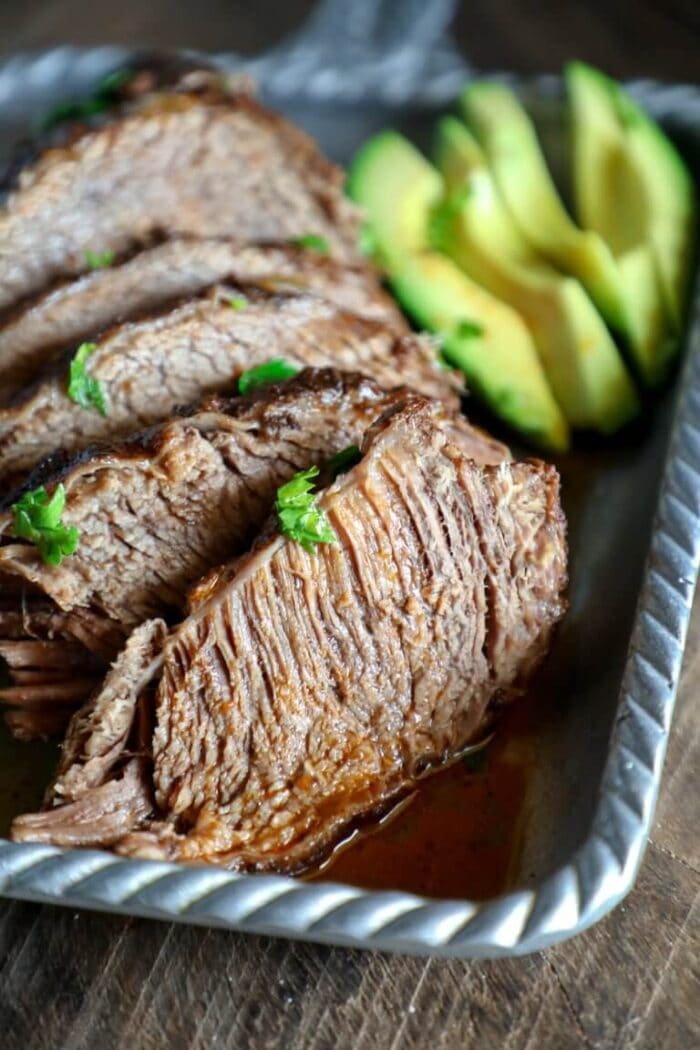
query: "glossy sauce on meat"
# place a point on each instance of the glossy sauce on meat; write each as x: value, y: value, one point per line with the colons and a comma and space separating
x: 459, y: 834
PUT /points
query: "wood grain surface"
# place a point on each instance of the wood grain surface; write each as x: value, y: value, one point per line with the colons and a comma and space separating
x: 633, y: 981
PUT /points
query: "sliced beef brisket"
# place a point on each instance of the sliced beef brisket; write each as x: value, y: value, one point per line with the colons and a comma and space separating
x: 197, y: 159
x: 161, y: 509
x: 306, y: 689
x: 148, y: 367
x: 157, y: 512
x: 74, y: 310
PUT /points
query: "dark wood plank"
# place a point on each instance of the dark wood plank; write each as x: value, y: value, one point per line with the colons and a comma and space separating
x: 666, y: 1026
x: 633, y: 980
x: 215, y: 25
x: 677, y: 814
x: 612, y: 973
x: 629, y: 38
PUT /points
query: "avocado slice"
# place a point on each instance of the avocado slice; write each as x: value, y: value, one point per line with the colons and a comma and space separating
x: 507, y: 135
x: 480, y: 335
x: 397, y: 188
x: 632, y: 187
x: 495, y: 353
x: 474, y: 227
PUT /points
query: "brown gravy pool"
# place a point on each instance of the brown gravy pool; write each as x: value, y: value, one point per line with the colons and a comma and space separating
x: 459, y: 834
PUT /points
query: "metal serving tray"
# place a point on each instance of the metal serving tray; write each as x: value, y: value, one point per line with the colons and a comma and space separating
x: 634, y: 511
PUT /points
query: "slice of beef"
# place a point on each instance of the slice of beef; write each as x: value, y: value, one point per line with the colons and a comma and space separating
x: 38, y: 723
x: 101, y: 796
x: 23, y: 619
x: 99, y: 732
x: 103, y: 815
x: 198, y: 159
x: 74, y: 310
x: 26, y: 615
x: 158, y: 511
x: 147, y: 368
x: 309, y: 688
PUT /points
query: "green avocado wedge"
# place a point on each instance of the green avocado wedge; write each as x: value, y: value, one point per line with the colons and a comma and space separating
x: 397, y: 188
x: 495, y: 352
x: 509, y: 140
x: 632, y: 187
x: 481, y: 336
x: 474, y: 227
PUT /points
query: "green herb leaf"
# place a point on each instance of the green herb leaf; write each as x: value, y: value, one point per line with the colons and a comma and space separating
x: 99, y: 260
x: 443, y: 216
x: 106, y: 95
x: 468, y: 330
x: 271, y: 372
x: 110, y: 85
x: 367, y: 241
x: 37, y: 517
x: 299, y: 516
x: 344, y: 460
x: 313, y: 241
x: 83, y: 388
x: 61, y: 114
x: 238, y: 302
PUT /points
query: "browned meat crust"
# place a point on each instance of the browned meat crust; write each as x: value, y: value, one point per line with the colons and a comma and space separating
x: 147, y: 368
x: 306, y: 689
x: 74, y: 310
x: 162, y: 508
x: 157, y: 511
x: 198, y: 159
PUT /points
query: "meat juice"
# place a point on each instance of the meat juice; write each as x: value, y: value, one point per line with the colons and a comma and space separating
x: 459, y: 833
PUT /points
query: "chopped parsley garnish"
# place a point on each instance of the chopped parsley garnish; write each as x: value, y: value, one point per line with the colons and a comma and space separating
x: 313, y: 241
x: 83, y: 388
x: 468, y: 330
x: 627, y: 112
x: 367, y: 241
x: 299, y: 515
x: 344, y: 460
x: 443, y: 217
x: 99, y: 260
x: 37, y: 517
x: 271, y: 372
x: 238, y: 302
x: 106, y: 96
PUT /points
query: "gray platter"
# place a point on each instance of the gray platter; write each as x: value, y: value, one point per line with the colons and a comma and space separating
x: 634, y: 512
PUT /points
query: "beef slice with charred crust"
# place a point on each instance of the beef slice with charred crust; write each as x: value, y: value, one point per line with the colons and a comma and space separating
x: 309, y: 688
x: 205, y: 162
x: 74, y: 310
x: 146, y: 368
x: 101, y: 789
x: 100, y: 731
x: 159, y: 511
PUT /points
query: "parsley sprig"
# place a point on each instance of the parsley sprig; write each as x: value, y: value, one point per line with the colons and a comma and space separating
x: 367, y: 241
x: 469, y: 329
x: 99, y: 260
x: 343, y: 461
x: 107, y: 94
x: 37, y: 517
x: 271, y: 372
x: 83, y: 388
x: 314, y: 241
x: 299, y: 515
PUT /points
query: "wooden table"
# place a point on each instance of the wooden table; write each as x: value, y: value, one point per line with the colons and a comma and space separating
x: 85, y: 980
